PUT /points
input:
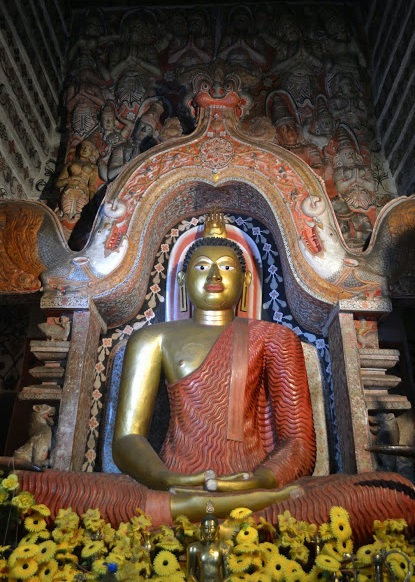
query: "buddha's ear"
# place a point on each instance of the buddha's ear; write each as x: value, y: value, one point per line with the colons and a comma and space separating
x: 247, y: 278
x: 181, y: 280
x: 244, y: 297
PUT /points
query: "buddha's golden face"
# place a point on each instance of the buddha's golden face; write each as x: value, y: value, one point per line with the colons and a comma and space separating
x: 214, y: 278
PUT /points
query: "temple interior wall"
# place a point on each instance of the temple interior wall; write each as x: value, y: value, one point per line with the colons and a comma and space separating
x: 390, y: 32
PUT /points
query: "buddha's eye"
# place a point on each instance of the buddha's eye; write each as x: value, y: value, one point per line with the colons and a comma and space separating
x: 226, y: 267
x: 201, y: 267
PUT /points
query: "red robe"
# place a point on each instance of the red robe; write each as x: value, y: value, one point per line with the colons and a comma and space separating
x: 276, y: 414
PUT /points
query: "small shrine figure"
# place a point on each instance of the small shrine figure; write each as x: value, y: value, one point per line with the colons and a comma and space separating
x: 207, y: 559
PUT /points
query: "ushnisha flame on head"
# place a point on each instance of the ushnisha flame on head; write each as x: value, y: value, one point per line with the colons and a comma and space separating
x: 215, y: 225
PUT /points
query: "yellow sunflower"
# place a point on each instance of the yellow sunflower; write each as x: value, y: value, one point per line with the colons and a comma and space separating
x: 47, y: 550
x: 260, y: 577
x: 165, y: 563
x: 329, y: 563
x: 247, y: 534
x: 246, y: 548
x: 239, y: 563
x: 43, y: 534
x: 340, y: 528
x: 35, y: 523
x: 338, y: 512
x: 48, y: 570
x: 41, y: 509
x: 30, y: 538
x: 325, y: 532
x: 99, y: 567
x: 268, y: 549
x: 398, y: 565
x: 68, y: 576
x: 66, y: 557
x: 317, y: 574
x: 296, y: 576
x: 292, y: 566
x: 240, y: 513
x: 258, y: 563
x: 93, y: 548
x: 369, y: 574
x: 22, y: 552
x: 170, y: 543
x: 24, y: 568
x: 344, y: 546
x: 276, y: 567
x: 330, y: 549
x: 365, y: 553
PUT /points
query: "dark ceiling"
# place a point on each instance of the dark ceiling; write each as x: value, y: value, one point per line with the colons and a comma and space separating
x: 119, y: 4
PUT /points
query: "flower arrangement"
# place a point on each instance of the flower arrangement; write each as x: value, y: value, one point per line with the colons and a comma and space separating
x: 84, y: 547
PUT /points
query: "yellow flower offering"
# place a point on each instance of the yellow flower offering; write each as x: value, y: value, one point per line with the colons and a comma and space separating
x: 11, y: 482
x: 240, y: 513
x: 165, y: 563
x: 328, y: 563
x: 247, y: 534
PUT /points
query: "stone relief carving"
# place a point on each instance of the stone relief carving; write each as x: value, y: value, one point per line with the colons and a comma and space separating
x: 306, y: 72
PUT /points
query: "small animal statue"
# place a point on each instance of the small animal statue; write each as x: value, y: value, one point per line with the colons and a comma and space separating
x: 36, y: 449
x: 56, y: 328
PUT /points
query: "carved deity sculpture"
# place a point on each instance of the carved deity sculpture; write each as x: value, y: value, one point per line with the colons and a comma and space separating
x: 110, y: 136
x: 289, y: 133
x: 191, y: 39
x: 77, y: 183
x: 353, y: 180
x: 142, y: 137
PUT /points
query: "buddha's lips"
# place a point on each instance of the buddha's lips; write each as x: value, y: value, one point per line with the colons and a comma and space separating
x: 214, y: 287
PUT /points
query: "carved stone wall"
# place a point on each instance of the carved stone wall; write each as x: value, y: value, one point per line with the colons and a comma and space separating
x: 33, y: 37
x: 390, y: 28
x: 131, y: 76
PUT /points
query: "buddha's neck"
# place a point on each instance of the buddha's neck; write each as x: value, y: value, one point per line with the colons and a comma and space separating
x: 213, y: 317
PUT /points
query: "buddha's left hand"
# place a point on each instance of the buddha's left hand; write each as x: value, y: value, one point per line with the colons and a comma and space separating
x: 261, y: 479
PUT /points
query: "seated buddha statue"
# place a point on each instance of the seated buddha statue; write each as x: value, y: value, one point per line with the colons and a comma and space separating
x: 241, y: 430
x: 232, y: 385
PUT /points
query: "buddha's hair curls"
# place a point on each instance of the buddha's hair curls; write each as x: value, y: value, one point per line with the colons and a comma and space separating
x: 214, y: 241
x: 209, y: 517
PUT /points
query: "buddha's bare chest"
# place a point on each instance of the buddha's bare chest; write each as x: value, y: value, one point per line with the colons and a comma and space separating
x: 183, y: 355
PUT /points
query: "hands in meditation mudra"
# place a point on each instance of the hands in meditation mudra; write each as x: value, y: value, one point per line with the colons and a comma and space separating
x: 241, y: 422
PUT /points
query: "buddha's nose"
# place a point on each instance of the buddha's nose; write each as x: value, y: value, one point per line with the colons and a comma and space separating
x: 214, y: 273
